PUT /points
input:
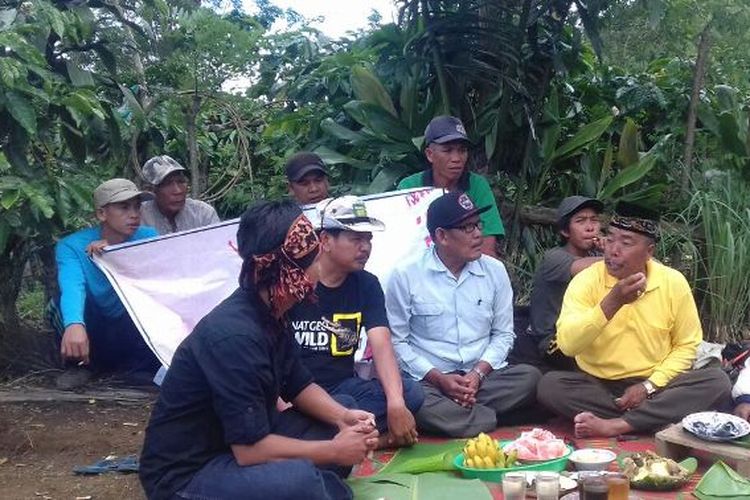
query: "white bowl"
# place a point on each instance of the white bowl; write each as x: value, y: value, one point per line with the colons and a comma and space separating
x: 592, y: 458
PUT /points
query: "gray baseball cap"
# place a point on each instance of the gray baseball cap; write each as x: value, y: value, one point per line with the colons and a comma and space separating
x: 573, y: 204
x: 157, y: 168
x: 442, y: 129
x: 116, y: 190
x: 347, y: 213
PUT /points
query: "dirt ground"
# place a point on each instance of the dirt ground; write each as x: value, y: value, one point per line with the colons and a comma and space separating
x: 41, y: 443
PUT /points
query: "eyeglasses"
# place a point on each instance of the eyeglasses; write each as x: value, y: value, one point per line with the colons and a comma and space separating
x: 469, y: 227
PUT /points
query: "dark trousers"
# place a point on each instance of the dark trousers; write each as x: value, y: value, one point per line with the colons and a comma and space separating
x: 224, y: 479
x: 370, y: 396
x: 570, y: 393
x: 115, y: 344
x: 502, y: 391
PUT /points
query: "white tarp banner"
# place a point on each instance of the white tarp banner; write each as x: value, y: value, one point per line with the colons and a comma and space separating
x: 169, y: 283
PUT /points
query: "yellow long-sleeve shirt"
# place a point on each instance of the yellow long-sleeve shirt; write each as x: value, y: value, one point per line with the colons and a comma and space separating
x: 655, y: 337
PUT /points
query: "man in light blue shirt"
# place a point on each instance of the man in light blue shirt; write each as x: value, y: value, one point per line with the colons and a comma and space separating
x: 451, y: 316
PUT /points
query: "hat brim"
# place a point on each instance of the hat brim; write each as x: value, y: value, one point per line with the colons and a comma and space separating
x: 472, y: 213
x: 589, y: 203
x: 129, y: 195
x: 371, y: 225
x: 451, y: 138
x: 306, y: 170
x: 172, y: 170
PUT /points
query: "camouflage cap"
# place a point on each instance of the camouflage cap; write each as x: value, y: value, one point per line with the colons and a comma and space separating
x: 157, y: 168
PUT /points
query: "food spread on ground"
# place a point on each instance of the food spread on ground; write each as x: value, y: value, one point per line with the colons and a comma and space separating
x: 648, y: 470
x: 483, y: 452
x: 537, y: 445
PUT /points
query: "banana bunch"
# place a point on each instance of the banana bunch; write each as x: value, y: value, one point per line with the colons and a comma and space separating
x: 482, y: 452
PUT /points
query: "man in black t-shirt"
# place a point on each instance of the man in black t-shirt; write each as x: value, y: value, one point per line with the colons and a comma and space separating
x: 579, y: 227
x: 350, y: 299
x: 214, y: 431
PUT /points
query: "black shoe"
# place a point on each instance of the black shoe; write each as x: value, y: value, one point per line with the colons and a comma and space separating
x: 73, y: 378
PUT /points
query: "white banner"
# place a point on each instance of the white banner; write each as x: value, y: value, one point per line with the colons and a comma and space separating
x: 168, y: 284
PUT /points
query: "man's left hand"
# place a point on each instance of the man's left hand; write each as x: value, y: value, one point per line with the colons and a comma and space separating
x: 363, y: 420
x: 402, y: 428
x: 633, y: 396
x: 96, y: 247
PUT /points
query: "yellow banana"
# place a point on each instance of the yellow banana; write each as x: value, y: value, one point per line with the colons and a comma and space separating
x: 488, y: 463
x: 512, y: 458
x: 469, y: 462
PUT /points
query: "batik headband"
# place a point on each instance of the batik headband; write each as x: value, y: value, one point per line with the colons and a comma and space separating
x: 284, y: 268
x: 639, y: 225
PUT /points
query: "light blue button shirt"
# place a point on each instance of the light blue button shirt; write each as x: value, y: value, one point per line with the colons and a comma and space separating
x: 448, y: 323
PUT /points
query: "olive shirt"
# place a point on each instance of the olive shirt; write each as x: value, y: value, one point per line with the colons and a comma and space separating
x: 478, y: 190
x: 656, y: 336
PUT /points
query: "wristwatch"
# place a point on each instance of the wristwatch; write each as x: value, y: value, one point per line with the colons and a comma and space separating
x: 650, y: 388
x: 479, y: 373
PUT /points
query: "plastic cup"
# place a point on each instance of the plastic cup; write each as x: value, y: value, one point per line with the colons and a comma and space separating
x: 547, y: 486
x: 594, y: 488
x: 514, y: 486
x: 619, y: 487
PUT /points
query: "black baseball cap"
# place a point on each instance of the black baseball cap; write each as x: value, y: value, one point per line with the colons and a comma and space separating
x: 442, y: 129
x: 301, y: 164
x: 451, y: 209
x: 573, y: 204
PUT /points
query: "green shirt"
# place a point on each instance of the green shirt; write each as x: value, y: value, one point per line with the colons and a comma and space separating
x: 480, y: 193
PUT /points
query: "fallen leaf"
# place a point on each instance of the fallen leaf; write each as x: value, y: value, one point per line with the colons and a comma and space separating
x: 92, y: 401
x: 87, y: 497
x: 3, y: 460
x: 130, y: 424
x: 22, y: 465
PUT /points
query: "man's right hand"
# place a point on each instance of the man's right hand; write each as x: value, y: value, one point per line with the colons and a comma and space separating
x: 75, y: 344
x: 625, y: 291
x: 350, y: 446
x: 458, y: 388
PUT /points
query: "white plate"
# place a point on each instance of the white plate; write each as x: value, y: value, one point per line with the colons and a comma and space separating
x: 716, y: 426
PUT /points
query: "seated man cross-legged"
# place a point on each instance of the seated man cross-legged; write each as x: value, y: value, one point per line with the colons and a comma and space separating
x: 349, y: 299
x: 451, y: 314
x: 215, y: 431
x: 633, y: 327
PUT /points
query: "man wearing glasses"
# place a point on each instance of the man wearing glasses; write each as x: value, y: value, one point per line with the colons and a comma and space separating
x: 451, y: 317
x: 447, y: 151
x: 171, y: 210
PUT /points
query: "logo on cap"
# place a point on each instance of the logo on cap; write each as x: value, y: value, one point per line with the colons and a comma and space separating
x: 359, y: 209
x: 465, y: 202
x: 460, y: 128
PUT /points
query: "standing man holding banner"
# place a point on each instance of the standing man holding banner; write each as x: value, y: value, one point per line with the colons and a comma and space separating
x: 451, y: 314
x: 171, y: 210
x: 447, y: 151
x: 349, y: 299
x: 307, y: 178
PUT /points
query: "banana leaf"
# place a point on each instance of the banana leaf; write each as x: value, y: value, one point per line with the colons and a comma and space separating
x: 722, y: 482
x: 424, y: 457
x: 429, y: 486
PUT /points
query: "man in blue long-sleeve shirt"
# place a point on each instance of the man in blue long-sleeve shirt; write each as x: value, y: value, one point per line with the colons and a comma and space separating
x: 451, y: 316
x: 95, y: 329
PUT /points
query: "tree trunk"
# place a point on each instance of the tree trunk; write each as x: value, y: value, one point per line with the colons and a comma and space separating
x: 704, y: 46
x: 12, y: 264
x: 193, y: 164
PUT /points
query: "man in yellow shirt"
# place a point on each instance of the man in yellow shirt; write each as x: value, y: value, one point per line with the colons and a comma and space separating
x: 633, y: 327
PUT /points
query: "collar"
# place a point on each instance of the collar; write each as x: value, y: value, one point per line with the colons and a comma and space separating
x: 654, y: 276
x: 435, y: 264
x: 463, y: 181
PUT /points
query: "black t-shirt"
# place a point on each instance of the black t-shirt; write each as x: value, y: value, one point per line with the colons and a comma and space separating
x: 550, y: 282
x: 221, y: 389
x: 328, y: 331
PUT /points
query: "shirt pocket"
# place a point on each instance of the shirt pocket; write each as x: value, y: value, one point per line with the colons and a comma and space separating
x: 427, y: 319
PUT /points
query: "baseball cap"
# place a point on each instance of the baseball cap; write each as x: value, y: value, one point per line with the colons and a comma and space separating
x: 157, y: 168
x: 450, y: 209
x: 301, y: 164
x: 347, y: 213
x: 442, y: 129
x: 116, y: 190
x: 573, y: 204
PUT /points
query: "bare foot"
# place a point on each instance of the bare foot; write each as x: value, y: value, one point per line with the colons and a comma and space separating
x: 589, y: 425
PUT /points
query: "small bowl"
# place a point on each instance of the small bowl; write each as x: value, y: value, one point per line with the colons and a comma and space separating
x: 592, y: 458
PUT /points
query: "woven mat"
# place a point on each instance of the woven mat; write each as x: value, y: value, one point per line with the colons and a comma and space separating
x: 565, y: 431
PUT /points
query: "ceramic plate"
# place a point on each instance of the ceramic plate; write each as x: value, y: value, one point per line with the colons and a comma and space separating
x: 577, y: 496
x: 716, y: 426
